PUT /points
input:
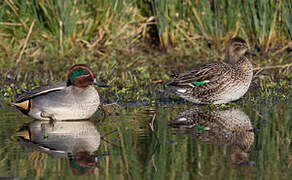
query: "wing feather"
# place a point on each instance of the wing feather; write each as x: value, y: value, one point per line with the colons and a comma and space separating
x: 41, y: 90
x: 210, y: 72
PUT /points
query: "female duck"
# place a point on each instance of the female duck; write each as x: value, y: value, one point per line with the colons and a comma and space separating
x: 60, y: 101
x: 218, y: 82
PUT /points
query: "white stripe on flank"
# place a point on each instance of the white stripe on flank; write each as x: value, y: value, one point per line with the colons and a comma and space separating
x: 190, y: 84
x: 182, y: 119
x: 182, y: 90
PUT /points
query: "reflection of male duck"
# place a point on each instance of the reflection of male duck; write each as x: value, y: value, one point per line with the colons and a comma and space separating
x: 230, y: 127
x: 76, y: 140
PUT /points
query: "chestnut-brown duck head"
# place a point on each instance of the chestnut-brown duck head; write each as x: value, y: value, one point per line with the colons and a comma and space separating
x: 81, y: 75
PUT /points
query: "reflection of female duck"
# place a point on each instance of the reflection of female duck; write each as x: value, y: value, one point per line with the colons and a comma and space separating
x: 75, y: 139
x: 231, y: 127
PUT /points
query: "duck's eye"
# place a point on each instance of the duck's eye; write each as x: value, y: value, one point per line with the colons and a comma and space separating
x: 239, y: 48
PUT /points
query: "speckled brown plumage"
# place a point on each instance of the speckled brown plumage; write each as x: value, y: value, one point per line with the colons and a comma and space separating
x: 225, y: 81
x: 231, y: 128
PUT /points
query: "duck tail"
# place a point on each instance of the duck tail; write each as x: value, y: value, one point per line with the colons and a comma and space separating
x: 23, y: 106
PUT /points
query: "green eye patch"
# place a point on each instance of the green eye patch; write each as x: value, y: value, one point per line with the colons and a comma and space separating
x: 78, y: 72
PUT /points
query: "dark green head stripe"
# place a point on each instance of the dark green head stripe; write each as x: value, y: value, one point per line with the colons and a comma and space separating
x: 78, y: 72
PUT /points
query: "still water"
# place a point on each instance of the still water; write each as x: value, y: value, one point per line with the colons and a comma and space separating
x: 162, y: 141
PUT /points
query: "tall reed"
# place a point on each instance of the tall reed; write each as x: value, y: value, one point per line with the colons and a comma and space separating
x: 267, y: 24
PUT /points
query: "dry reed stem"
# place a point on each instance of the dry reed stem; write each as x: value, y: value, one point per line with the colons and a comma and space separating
x: 273, y: 67
x: 289, y: 45
x: 61, y: 33
x: 272, y: 30
x: 198, y: 19
x: 260, y: 69
x: 25, y: 44
x: 10, y: 24
x: 15, y: 9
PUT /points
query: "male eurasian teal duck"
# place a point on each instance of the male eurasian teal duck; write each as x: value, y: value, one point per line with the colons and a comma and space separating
x: 73, y: 100
x: 217, y: 82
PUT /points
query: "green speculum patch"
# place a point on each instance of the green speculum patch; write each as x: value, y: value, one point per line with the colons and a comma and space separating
x: 200, y: 82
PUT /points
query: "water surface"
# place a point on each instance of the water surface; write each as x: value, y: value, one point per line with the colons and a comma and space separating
x: 137, y: 142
